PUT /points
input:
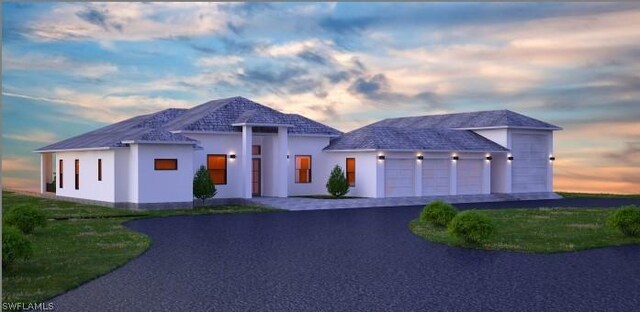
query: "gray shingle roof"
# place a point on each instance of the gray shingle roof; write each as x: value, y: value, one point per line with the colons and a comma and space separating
x: 496, y: 118
x: 217, y: 115
x: 375, y: 137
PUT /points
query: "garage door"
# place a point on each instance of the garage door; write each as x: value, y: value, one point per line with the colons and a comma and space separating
x: 399, y: 177
x: 530, y: 161
x: 436, y: 177
x: 469, y: 176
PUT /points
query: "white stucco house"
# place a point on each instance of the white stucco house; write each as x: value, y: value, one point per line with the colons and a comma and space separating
x: 252, y: 150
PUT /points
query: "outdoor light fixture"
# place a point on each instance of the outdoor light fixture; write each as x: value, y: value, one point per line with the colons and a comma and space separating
x: 510, y: 158
x: 232, y: 156
x: 420, y: 157
x: 287, y: 156
x: 381, y: 157
x: 455, y: 158
x: 488, y: 158
x: 552, y: 158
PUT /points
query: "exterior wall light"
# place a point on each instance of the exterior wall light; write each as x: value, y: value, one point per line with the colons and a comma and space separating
x: 232, y: 156
x: 488, y: 158
x: 552, y: 158
x: 455, y: 157
x: 381, y: 157
x: 420, y: 157
x: 287, y: 156
x: 510, y: 158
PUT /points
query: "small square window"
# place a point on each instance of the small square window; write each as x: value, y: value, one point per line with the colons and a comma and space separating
x: 166, y: 164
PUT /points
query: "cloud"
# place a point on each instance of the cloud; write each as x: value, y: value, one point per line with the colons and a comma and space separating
x: 14, y: 164
x: 35, y: 136
x: 35, y: 61
x: 29, y: 184
x: 218, y: 61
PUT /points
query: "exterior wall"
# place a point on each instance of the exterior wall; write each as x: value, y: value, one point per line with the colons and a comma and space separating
x: 307, y: 145
x: 225, y: 144
x: 163, y: 186
x: 124, y: 167
x: 366, y: 162
x: 89, y: 186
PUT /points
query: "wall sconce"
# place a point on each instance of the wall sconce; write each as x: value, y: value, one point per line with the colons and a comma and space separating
x: 232, y: 156
x: 510, y: 158
x: 420, y: 157
x: 552, y: 158
x: 287, y: 156
x: 455, y: 157
x: 381, y: 157
x: 488, y: 158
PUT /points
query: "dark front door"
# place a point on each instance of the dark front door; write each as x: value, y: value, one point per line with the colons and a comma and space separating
x: 255, y: 178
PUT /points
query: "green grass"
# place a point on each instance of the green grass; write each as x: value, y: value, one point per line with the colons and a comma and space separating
x: 542, y: 230
x: 325, y: 197
x: 79, y: 243
x: 596, y: 195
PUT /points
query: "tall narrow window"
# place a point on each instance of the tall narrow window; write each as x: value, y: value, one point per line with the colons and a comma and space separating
x: 351, y: 171
x: 77, y: 174
x: 60, y: 170
x: 303, y: 169
x: 99, y: 169
x: 256, y: 150
x: 165, y: 164
x: 217, y: 167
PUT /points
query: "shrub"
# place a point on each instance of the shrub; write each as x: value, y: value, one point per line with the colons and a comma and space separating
x: 337, y: 184
x: 25, y: 218
x: 203, y: 187
x: 438, y: 212
x: 14, y: 245
x: 471, y: 226
x: 627, y: 220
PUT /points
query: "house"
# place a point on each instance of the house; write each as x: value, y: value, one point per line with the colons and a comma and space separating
x: 252, y: 150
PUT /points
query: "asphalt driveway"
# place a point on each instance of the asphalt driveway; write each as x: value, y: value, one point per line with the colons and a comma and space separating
x: 356, y: 259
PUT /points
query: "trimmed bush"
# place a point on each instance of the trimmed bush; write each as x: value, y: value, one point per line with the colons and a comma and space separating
x: 471, y: 226
x: 337, y: 185
x: 15, y: 245
x: 203, y: 187
x: 25, y: 218
x: 438, y: 212
x: 627, y: 220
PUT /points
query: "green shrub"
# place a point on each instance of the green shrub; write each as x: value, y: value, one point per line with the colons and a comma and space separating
x: 15, y: 245
x: 438, y: 212
x: 471, y: 226
x: 25, y: 218
x: 627, y: 220
x: 203, y: 187
x: 337, y: 185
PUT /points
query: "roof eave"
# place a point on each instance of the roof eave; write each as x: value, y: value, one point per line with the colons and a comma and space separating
x: 418, y: 150
x: 510, y: 127
x: 160, y: 142
x: 252, y: 124
x: 57, y: 150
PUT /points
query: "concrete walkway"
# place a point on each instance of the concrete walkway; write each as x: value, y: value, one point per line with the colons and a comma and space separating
x: 302, y: 203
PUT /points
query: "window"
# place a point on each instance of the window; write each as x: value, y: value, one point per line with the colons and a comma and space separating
x: 77, y: 174
x: 165, y: 164
x: 99, y: 169
x: 60, y: 170
x: 303, y: 169
x: 256, y: 150
x: 351, y: 171
x: 217, y: 166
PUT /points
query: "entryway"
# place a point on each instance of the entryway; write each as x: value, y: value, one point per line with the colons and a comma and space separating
x: 256, y: 177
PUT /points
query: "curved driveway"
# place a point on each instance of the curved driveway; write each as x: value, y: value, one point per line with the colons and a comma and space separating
x: 358, y: 259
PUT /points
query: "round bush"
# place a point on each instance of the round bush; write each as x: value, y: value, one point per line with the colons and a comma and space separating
x: 25, y: 218
x: 627, y: 220
x: 438, y: 213
x: 471, y: 226
x: 14, y: 245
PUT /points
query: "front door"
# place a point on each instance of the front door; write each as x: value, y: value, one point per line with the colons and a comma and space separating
x: 256, y: 178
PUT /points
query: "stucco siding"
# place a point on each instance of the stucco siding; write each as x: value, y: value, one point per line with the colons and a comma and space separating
x: 89, y: 186
x: 158, y: 186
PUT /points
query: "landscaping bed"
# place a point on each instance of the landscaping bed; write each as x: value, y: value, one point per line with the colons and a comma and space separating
x: 542, y: 230
x: 79, y: 243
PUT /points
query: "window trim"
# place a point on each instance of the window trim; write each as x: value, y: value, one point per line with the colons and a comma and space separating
x: 77, y: 174
x: 99, y: 169
x: 60, y: 170
x: 226, y: 168
x: 296, y: 177
x: 155, y: 164
x: 346, y: 171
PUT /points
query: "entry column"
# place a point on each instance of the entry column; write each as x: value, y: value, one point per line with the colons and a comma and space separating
x: 281, y: 165
x: 246, y: 163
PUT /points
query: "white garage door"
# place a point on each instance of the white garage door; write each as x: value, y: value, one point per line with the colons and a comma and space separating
x: 530, y: 161
x: 469, y: 176
x: 399, y: 177
x: 436, y: 177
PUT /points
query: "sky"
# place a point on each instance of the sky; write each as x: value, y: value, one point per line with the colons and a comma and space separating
x: 68, y: 68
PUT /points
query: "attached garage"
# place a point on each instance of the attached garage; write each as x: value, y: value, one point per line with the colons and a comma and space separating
x: 399, y: 177
x: 436, y: 177
x: 469, y: 176
x: 530, y: 160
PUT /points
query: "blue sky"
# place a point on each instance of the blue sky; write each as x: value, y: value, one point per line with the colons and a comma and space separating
x: 72, y: 67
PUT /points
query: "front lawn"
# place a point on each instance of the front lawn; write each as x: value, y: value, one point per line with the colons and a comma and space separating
x: 596, y: 195
x: 79, y: 243
x: 542, y: 230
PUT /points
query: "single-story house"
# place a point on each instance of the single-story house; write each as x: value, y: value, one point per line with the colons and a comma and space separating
x: 252, y: 150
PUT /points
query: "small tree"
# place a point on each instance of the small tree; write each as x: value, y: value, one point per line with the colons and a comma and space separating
x: 337, y: 184
x: 203, y: 187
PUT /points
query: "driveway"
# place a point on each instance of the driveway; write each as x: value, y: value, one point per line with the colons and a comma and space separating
x: 354, y: 259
